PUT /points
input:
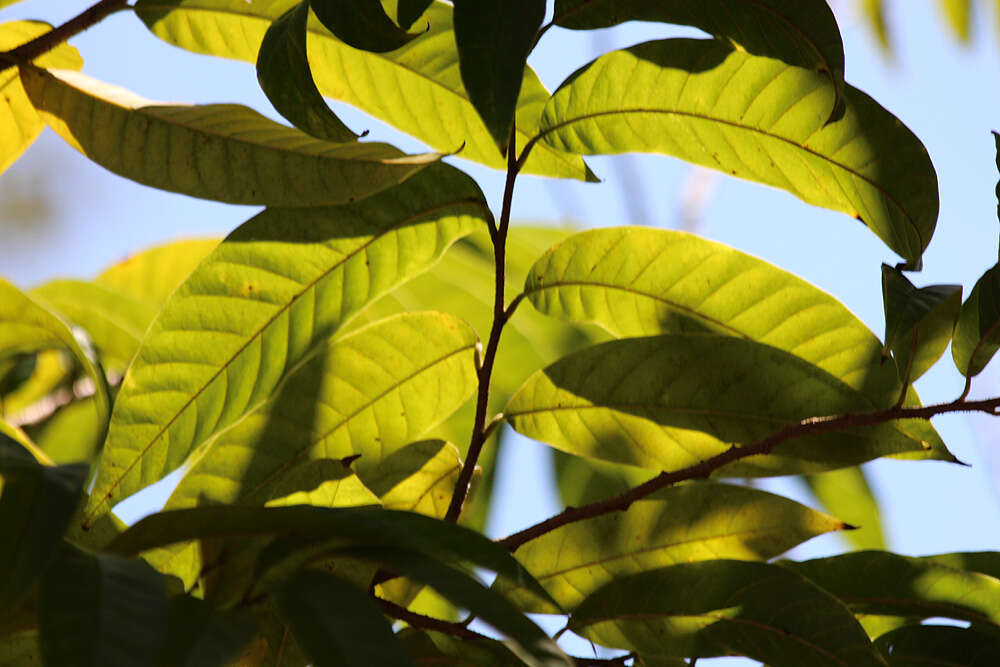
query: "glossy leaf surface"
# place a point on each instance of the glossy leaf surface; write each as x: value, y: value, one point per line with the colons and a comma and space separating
x: 321, y: 482
x: 977, y: 333
x: 416, y: 89
x: 494, y: 38
x: 755, y: 118
x: 20, y: 124
x: 688, y: 523
x: 636, y: 401
x: 362, y: 25
x: 224, y: 152
x: 263, y: 300
x: 939, y: 645
x: 722, y: 607
x: 284, y: 76
x: 959, y: 15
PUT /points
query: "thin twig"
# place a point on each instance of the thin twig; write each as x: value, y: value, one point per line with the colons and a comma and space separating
x: 44, y: 43
x: 810, y: 426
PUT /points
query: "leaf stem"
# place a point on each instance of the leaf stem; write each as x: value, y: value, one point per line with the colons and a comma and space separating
x: 702, y: 469
x: 480, y: 430
x: 42, y: 44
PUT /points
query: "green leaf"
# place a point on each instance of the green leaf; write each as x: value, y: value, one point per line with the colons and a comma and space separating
x: 284, y: 76
x: 199, y: 636
x: 918, y: 322
x: 798, y: 32
x: 420, y: 477
x: 846, y: 494
x: 408, y: 11
x: 101, y: 610
x: 114, y: 322
x: 959, y: 15
x: 367, y: 394
x: 939, y: 645
x: 755, y: 118
x: 687, y: 523
x: 21, y: 649
x: 224, y: 152
x: 667, y: 402
x: 36, y: 505
x: 73, y: 434
x: 725, y: 607
x: 416, y: 89
x: 874, y: 11
x: 152, y: 275
x: 20, y: 124
x: 977, y: 333
x: 320, y: 482
x: 494, y: 38
x: 275, y: 290
x: 635, y: 281
x: 877, y: 582
x: 435, y: 648
x: 362, y: 25
x: 337, y: 623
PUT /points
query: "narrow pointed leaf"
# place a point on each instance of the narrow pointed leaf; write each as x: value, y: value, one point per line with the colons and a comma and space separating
x: 918, y: 322
x: 258, y: 305
x: 939, y: 645
x: 846, y: 494
x: 408, y: 11
x: 152, y: 275
x: 683, y: 524
x: 199, y: 636
x: 755, y: 118
x: 337, y: 623
x: 224, y: 152
x: 416, y: 89
x: 419, y: 478
x: 362, y: 25
x: 20, y: 124
x: 959, y: 16
x: 368, y: 394
x: 877, y: 582
x: 667, y: 402
x: 798, y: 32
x: 101, y: 610
x: 977, y: 333
x: 634, y: 281
x: 725, y: 607
x: 284, y: 76
x: 494, y: 38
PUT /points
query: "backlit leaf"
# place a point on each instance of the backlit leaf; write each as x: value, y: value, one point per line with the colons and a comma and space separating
x: 755, y: 118
x: 724, y: 607
x: 20, y: 124
x: 667, y: 402
x: 846, y: 494
x: 874, y: 11
x: 263, y: 300
x: 682, y: 524
x: 939, y: 645
x: 959, y: 15
x: 224, y: 152
x: 420, y: 477
x: 152, y: 275
x: 977, y: 333
x: 417, y: 89
x: 362, y: 25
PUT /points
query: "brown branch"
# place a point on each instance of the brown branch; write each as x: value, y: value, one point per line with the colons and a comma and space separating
x: 810, y: 426
x: 42, y: 44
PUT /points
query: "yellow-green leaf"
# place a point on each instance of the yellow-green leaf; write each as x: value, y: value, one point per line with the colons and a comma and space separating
x: 846, y: 494
x: 320, y: 482
x: 418, y: 478
x: 755, y: 118
x: 959, y: 16
x: 153, y: 274
x: 224, y: 152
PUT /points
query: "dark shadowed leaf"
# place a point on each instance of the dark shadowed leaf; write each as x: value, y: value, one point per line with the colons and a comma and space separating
x: 408, y: 11
x: 939, y: 646
x: 362, y: 25
x: 724, y: 607
x: 199, y: 636
x: 435, y: 648
x: 494, y: 38
x: 977, y: 333
x: 284, y: 76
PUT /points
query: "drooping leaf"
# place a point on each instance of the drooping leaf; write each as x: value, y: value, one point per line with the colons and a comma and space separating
x: 114, y: 322
x: 494, y: 38
x: 224, y: 152
x: 153, y: 274
x: 36, y: 505
x: 263, y: 300
x: 199, y: 636
x: 20, y: 124
x: 959, y: 15
x: 101, y: 610
x: 417, y: 89
x: 755, y: 118
x: 369, y: 394
x: 337, y: 623
x: 420, y: 477
x: 878, y: 582
x: 667, y: 402
x: 918, y: 322
x: 798, y: 32
x: 284, y: 76
x: 846, y: 494
x: 725, y: 607
x: 408, y: 11
x: 635, y: 281
x: 939, y: 645
x: 977, y: 333
x: 362, y: 25
x: 687, y: 523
